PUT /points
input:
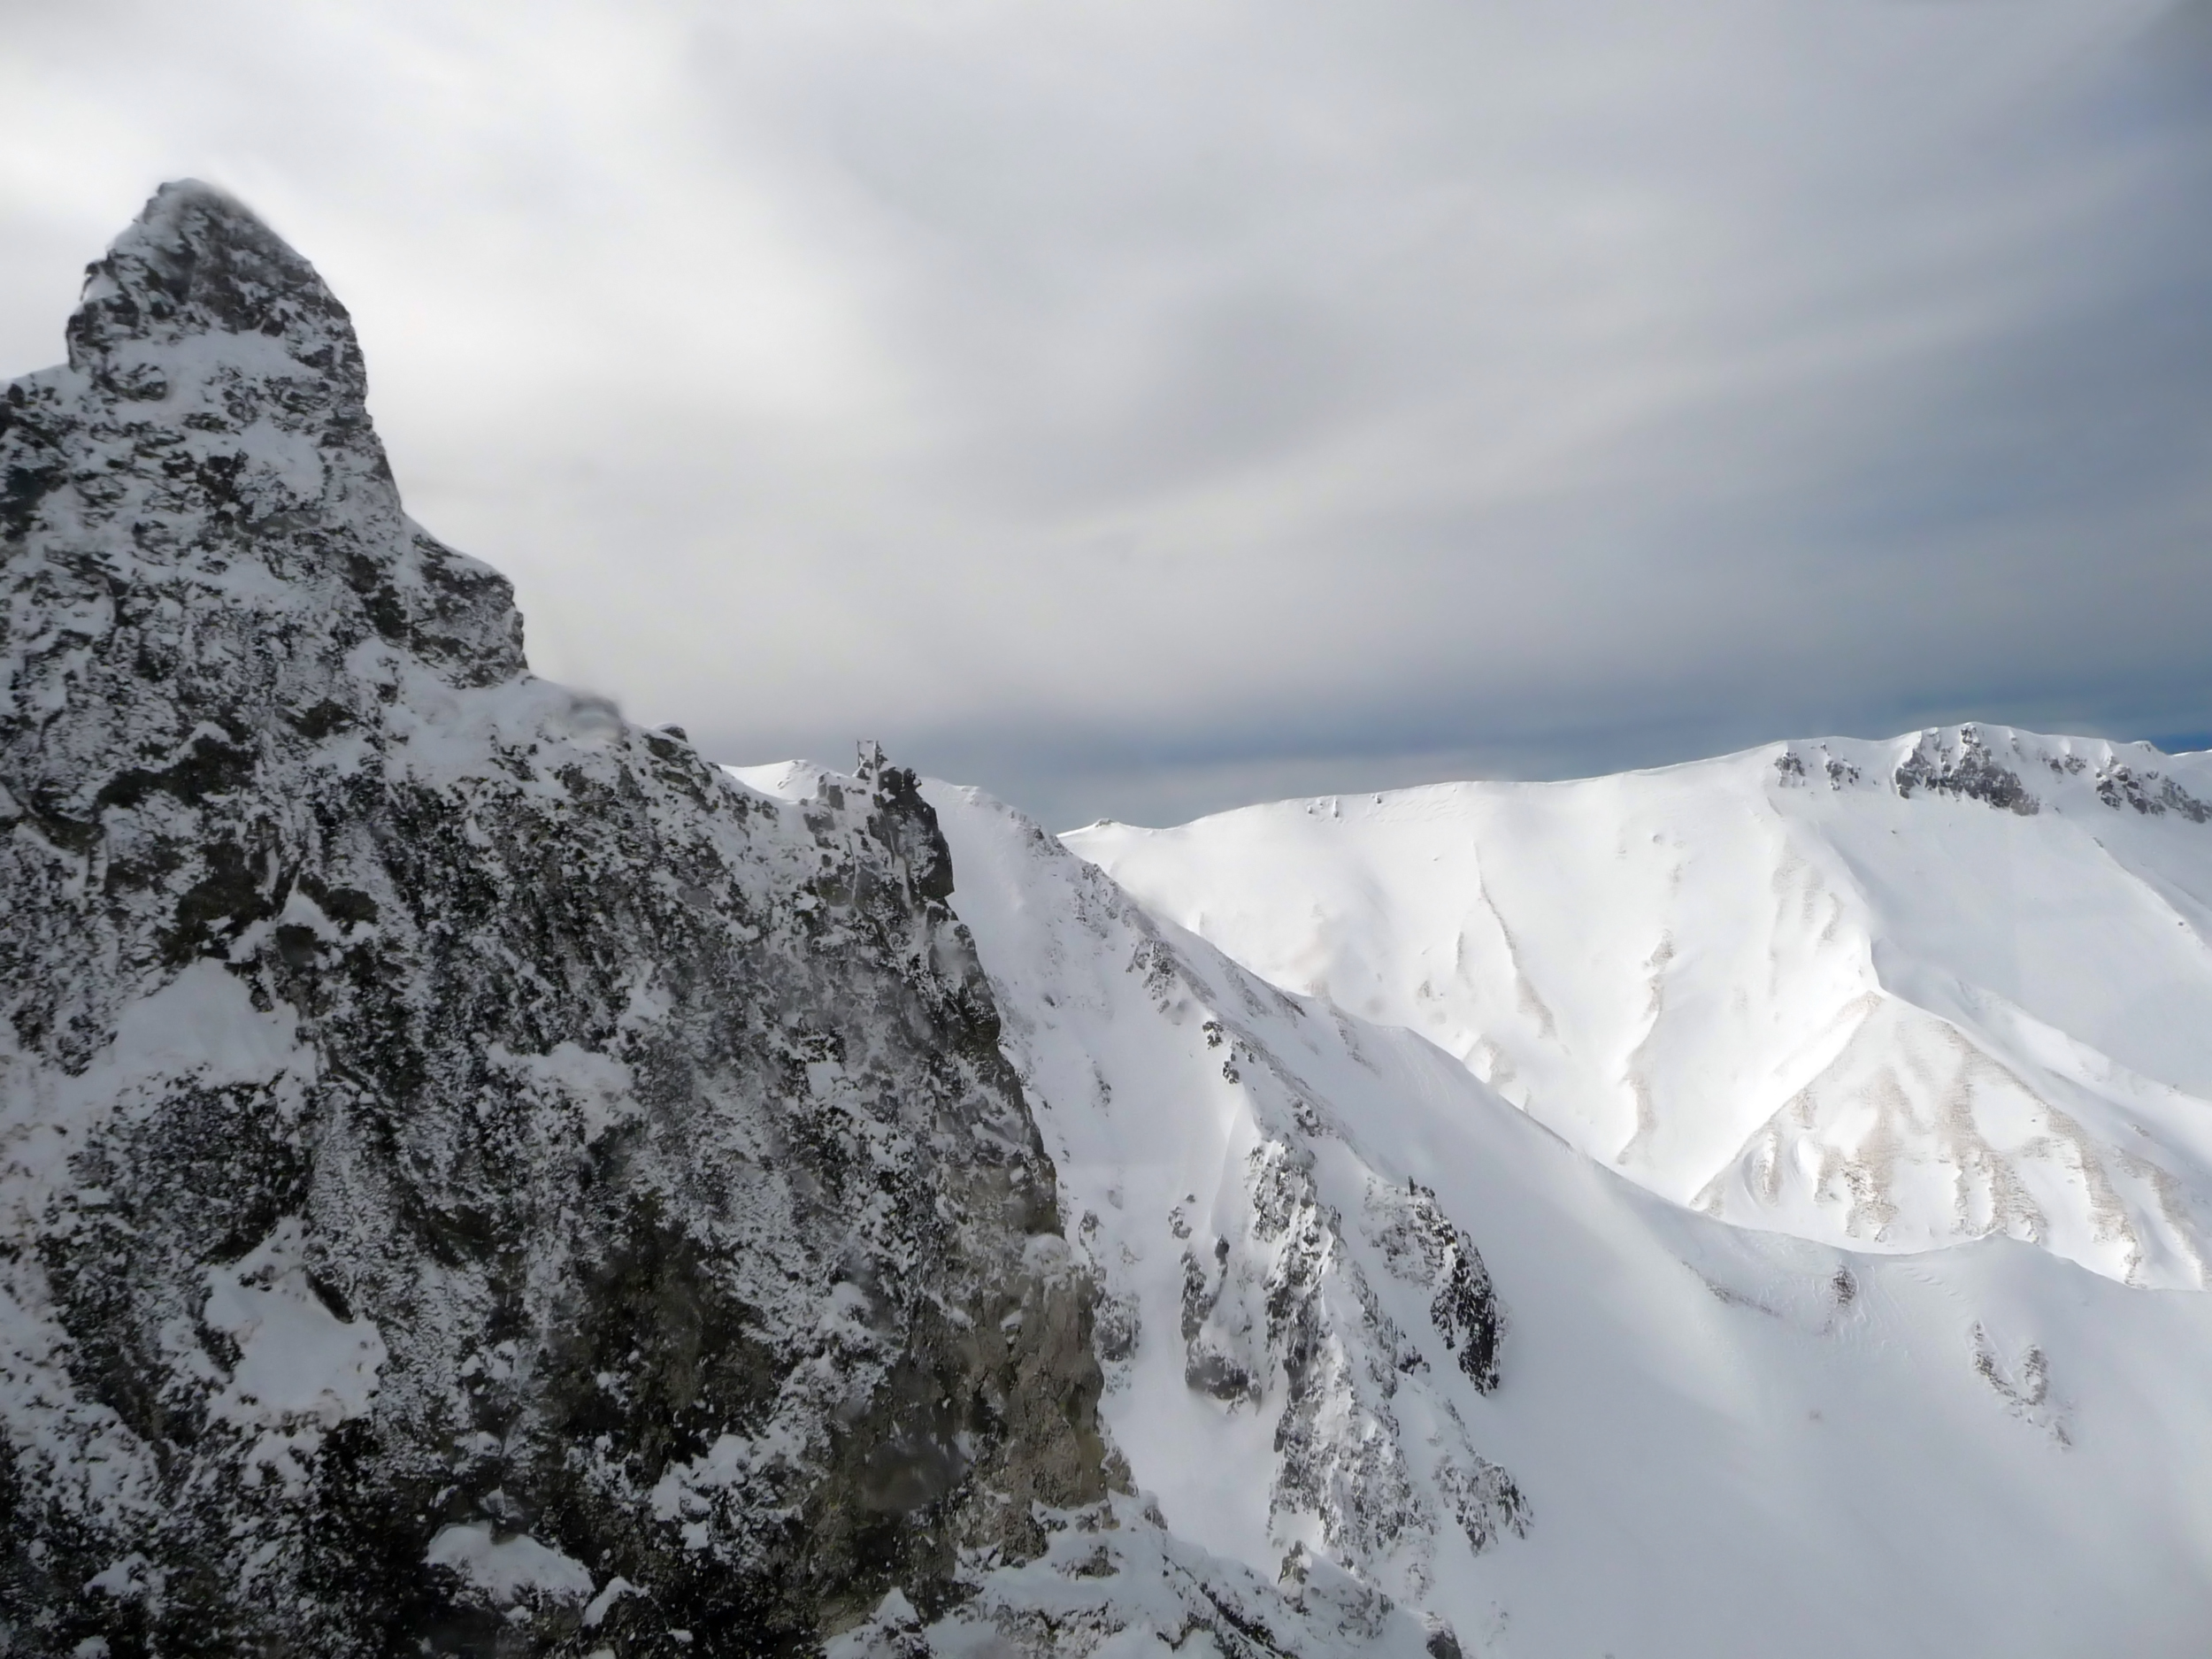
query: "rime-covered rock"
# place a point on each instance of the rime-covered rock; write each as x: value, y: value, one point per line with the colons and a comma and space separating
x: 474, y: 1174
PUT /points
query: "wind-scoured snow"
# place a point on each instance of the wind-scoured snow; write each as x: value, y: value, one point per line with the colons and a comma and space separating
x: 1888, y: 994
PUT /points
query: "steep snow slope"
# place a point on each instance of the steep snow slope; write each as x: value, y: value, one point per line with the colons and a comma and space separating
x: 1358, y: 1311
x: 1664, y: 1436
x: 1889, y: 994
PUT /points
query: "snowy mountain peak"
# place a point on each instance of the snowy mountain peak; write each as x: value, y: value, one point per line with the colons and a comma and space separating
x: 467, y: 1169
x: 198, y: 275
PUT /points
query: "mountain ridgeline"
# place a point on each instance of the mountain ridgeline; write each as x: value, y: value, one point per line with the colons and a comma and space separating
x: 1891, y: 995
x: 476, y: 1179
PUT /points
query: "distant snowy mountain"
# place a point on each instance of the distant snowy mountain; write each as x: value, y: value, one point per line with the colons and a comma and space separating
x: 476, y: 1179
x: 1884, y: 995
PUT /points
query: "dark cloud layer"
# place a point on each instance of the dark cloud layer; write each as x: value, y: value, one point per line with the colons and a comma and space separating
x: 1138, y: 409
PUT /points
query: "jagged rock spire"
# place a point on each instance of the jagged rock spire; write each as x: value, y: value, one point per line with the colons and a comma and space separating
x: 207, y: 453
x: 196, y: 262
x: 640, y: 1155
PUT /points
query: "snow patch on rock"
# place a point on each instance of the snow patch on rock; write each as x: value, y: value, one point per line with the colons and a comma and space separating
x: 509, y: 1570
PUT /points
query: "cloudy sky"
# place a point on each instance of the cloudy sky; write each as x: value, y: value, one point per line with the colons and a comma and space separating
x: 1141, y: 408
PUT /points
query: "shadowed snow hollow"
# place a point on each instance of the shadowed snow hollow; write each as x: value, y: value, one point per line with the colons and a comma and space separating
x: 1889, y: 994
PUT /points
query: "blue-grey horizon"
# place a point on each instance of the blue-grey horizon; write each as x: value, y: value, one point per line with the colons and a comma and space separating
x: 1140, y: 411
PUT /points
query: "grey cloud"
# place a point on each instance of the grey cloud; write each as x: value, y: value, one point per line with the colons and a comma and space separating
x: 1136, y: 409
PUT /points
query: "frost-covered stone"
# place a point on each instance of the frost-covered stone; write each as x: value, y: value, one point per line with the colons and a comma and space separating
x: 462, y: 1153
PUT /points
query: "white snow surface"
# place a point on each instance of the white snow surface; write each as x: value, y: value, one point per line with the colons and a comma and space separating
x: 507, y: 1570
x: 297, y: 1360
x: 1725, y: 1440
x: 1816, y: 987
x: 301, y: 1370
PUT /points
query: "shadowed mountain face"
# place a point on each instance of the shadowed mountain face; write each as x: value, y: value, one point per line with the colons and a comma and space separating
x: 474, y: 1174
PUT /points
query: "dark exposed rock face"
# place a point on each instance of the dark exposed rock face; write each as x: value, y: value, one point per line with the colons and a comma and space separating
x: 474, y: 1179
x: 1421, y: 1244
x: 2149, y: 793
x: 1968, y: 772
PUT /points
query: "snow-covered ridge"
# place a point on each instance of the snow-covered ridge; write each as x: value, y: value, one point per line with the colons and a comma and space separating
x: 1889, y: 994
x: 1694, y: 1440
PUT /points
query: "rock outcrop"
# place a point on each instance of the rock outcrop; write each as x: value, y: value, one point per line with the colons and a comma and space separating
x: 1284, y: 1309
x: 473, y: 1177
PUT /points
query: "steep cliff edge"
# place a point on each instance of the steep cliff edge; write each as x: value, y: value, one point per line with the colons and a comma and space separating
x: 469, y: 1172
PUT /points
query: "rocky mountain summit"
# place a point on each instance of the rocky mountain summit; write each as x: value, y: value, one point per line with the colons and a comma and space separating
x: 473, y: 1178
x: 477, y: 1179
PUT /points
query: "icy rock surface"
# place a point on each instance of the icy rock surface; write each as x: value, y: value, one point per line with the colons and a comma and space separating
x: 472, y: 1174
x: 1892, y: 996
